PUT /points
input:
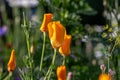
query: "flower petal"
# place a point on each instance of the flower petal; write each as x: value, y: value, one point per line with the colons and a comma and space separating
x: 65, y: 48
x: 46, y: 20
x: 12, y: 62
x: 61, y: 73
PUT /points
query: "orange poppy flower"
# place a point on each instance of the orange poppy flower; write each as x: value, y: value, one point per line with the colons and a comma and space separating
x: 46, y: 20
x: 104, y: 76
x: 61, y: 73
x: 12, y: 62
x: 65, y: 48
x: 56, y: 33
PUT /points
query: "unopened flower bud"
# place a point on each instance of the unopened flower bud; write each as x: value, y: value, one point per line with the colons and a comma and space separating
x: 103, y: 67
x: 32, y: 49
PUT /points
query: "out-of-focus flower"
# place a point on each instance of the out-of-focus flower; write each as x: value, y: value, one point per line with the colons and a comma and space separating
x: 65, y: 48
x: 105, y: 27
x: 104, y: 76
x: 23, y: 3
x: 61, y: 73
x: 110, y: 30
x: 69, y: 76
x: 104, y: 35
x: 12, y: 62
x: 3, y: 30
x: 98, y: 28
x: 118, y: 40
x: 85, y: 38
x: 111, y: 72
x: 97, y: 50
x: 103, y: 67
x: 32, y: 49
x: 46, y: 20
x: 56, y: 33
x: 98, y: 54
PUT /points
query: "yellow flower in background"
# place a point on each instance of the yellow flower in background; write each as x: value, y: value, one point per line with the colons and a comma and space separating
x: 65, y: 48
x: 110, y: 30
x: 56, y: 33
x: 12, y: 62
x: 115, y: 25
x: 105, y: 27
x: 104, y: 35
x: 46, y: 20
x: 61, y: 73
x: 104, y: 76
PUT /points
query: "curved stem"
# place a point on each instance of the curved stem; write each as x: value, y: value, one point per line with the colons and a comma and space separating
x: 54, y: 57
x: 43, y: 51
x: 9, y: 76
x: 113, y: 47
x: 50, y: 68
x: 63, y: 63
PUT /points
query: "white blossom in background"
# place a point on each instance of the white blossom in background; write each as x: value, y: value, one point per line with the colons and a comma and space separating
x: 97, y: 50
x: 23, y: 3
x: 85, y: 38
x: 98, y: 28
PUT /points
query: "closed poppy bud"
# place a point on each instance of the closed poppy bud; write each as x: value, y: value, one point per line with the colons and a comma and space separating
x: 12, y: 62
x: 56, y: 33
x: 61, y: 73
x: 104, y: 76
x: 65, y: 48
x: 46, y: 20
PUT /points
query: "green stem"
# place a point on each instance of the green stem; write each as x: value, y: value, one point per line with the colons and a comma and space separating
x: 53, y: 61
x: 54, y: 57
x: 9, y: 76
x: 50, y: 68
x: 113, y: 47
x: 108, y: 64
x: 30, y: 59
x: 63, y: 63
x: 43, y: 51
x: 28, y: 44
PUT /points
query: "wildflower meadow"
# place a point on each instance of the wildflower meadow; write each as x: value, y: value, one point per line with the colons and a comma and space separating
x: 59, y: 40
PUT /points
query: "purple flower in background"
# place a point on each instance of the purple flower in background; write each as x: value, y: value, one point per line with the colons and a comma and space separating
x: 111, y: 72
x: 3, y: 30
x: 69, y: 76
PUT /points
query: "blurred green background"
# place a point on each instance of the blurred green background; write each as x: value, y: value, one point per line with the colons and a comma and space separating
x: 83, y: 19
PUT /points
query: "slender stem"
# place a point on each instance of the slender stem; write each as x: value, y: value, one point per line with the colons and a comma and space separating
x: 30, y: 59
x: 113, y: 47
x: 9, y: 76
x: 54, y: 56
x: 108, y: 64
x: 63, y: 63
x: 43, y: 51
x: 48, y: 72
x: 50, y: 68
x: 28, y: 44
x: 53, y: 61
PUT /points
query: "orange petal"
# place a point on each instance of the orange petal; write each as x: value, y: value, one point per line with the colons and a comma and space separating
x: 65, y: 48
x: 46, y: 20
x: 50, y: 29
x: 104, y: 76
x: 56, y: 33
x: 61, y: 73
x: 12, y: 62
